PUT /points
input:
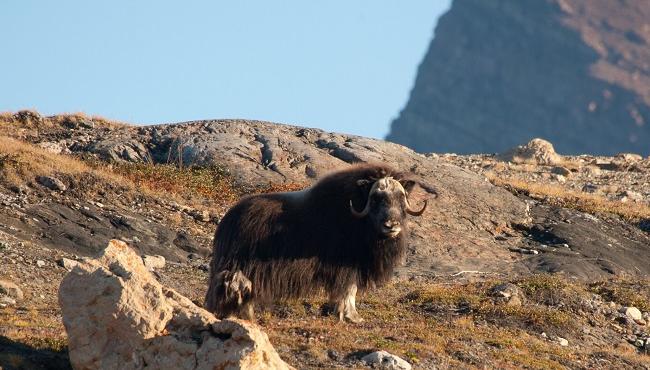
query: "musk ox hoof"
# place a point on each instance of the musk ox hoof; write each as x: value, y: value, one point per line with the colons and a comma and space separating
x: 346, y: 307
x: 353, y: 317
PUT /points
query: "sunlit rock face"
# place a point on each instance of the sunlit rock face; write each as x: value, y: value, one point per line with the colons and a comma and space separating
x: 499, y: 73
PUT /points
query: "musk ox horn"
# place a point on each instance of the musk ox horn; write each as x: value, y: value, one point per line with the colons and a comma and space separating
x: 413, y: 212
x: 361, y: 214
x: 381, y: 183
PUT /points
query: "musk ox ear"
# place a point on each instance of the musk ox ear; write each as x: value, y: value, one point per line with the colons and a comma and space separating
x: 408, y: 184
x: 408, y: 181
x: 363, y: 182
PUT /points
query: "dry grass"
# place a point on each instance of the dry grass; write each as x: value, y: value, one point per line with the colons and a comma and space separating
x: 567, y: 198
x: 281, y: 188
x: 21, y: 163
x: 476, y: 299
x: 32, y: 119
x: 625, y: 293
x: 449, y: 325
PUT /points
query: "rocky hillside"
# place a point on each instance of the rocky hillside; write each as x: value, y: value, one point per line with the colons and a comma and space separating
x: 499, y: 73
x: 473, y: 291
x: 472, y: 224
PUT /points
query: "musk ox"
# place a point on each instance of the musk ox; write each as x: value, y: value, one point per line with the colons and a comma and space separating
x: 347, y: 232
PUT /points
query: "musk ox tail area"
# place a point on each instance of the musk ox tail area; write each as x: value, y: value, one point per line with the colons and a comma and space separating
x: 229, y: 294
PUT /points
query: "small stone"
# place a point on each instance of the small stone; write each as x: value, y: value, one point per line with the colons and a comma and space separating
x: 592, y: 170
x: 204, y: 267
x: 561, y: 341
x: 385, y: 360
x: 629, y: 157
x: 40, y: 263
x: 333, y: 355
x: 51, y: 183
x: 153, y: 262
x: 559, y: 170
x: 559, y: 178
x: 203, y: 216
x: 7, y: 301
x: 639, y: 343
x: 67, y: 263
x: 633, y: 314
x: 590, y: 188
x: 508, y: 293
x: 630, y: 195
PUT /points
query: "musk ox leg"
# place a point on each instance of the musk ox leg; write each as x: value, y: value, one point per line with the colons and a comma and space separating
x: 345, y: 305
x: 230, y: 294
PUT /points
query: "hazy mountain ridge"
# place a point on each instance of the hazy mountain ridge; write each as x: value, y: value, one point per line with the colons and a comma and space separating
x: 498, y: 73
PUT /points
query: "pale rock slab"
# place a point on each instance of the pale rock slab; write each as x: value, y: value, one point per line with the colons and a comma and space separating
x: 118, y: 316
x: 386, y: 361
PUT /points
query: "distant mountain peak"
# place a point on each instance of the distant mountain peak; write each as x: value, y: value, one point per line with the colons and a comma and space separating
x: 498, y: 73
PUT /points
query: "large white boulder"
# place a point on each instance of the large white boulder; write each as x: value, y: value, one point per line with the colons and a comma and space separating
x: 118, y: 316
x: 536, y: 151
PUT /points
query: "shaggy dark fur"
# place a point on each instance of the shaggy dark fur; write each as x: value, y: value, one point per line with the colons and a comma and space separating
x: 294, y: 244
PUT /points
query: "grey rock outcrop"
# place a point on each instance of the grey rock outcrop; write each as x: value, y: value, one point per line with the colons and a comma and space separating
x: 51, y: 183
x: 118, y: 316
x: 458, y: 231
x: 498, y: 73
x: 256, y: 153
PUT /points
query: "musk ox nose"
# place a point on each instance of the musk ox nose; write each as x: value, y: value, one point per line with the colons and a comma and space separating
x: 391, y: 228
x: 391, y: 224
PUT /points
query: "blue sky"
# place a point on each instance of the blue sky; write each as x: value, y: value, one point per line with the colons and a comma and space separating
x: 345, y: 66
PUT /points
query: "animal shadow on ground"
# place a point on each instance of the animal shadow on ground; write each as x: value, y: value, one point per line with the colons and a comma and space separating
x: 19, y: 356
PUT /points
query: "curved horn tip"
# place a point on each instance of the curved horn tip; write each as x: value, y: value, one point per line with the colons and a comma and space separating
x: 417, y: 213
x: 356, y: 213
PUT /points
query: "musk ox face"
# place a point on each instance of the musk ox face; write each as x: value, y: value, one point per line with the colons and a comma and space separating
x: 386, y: 207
